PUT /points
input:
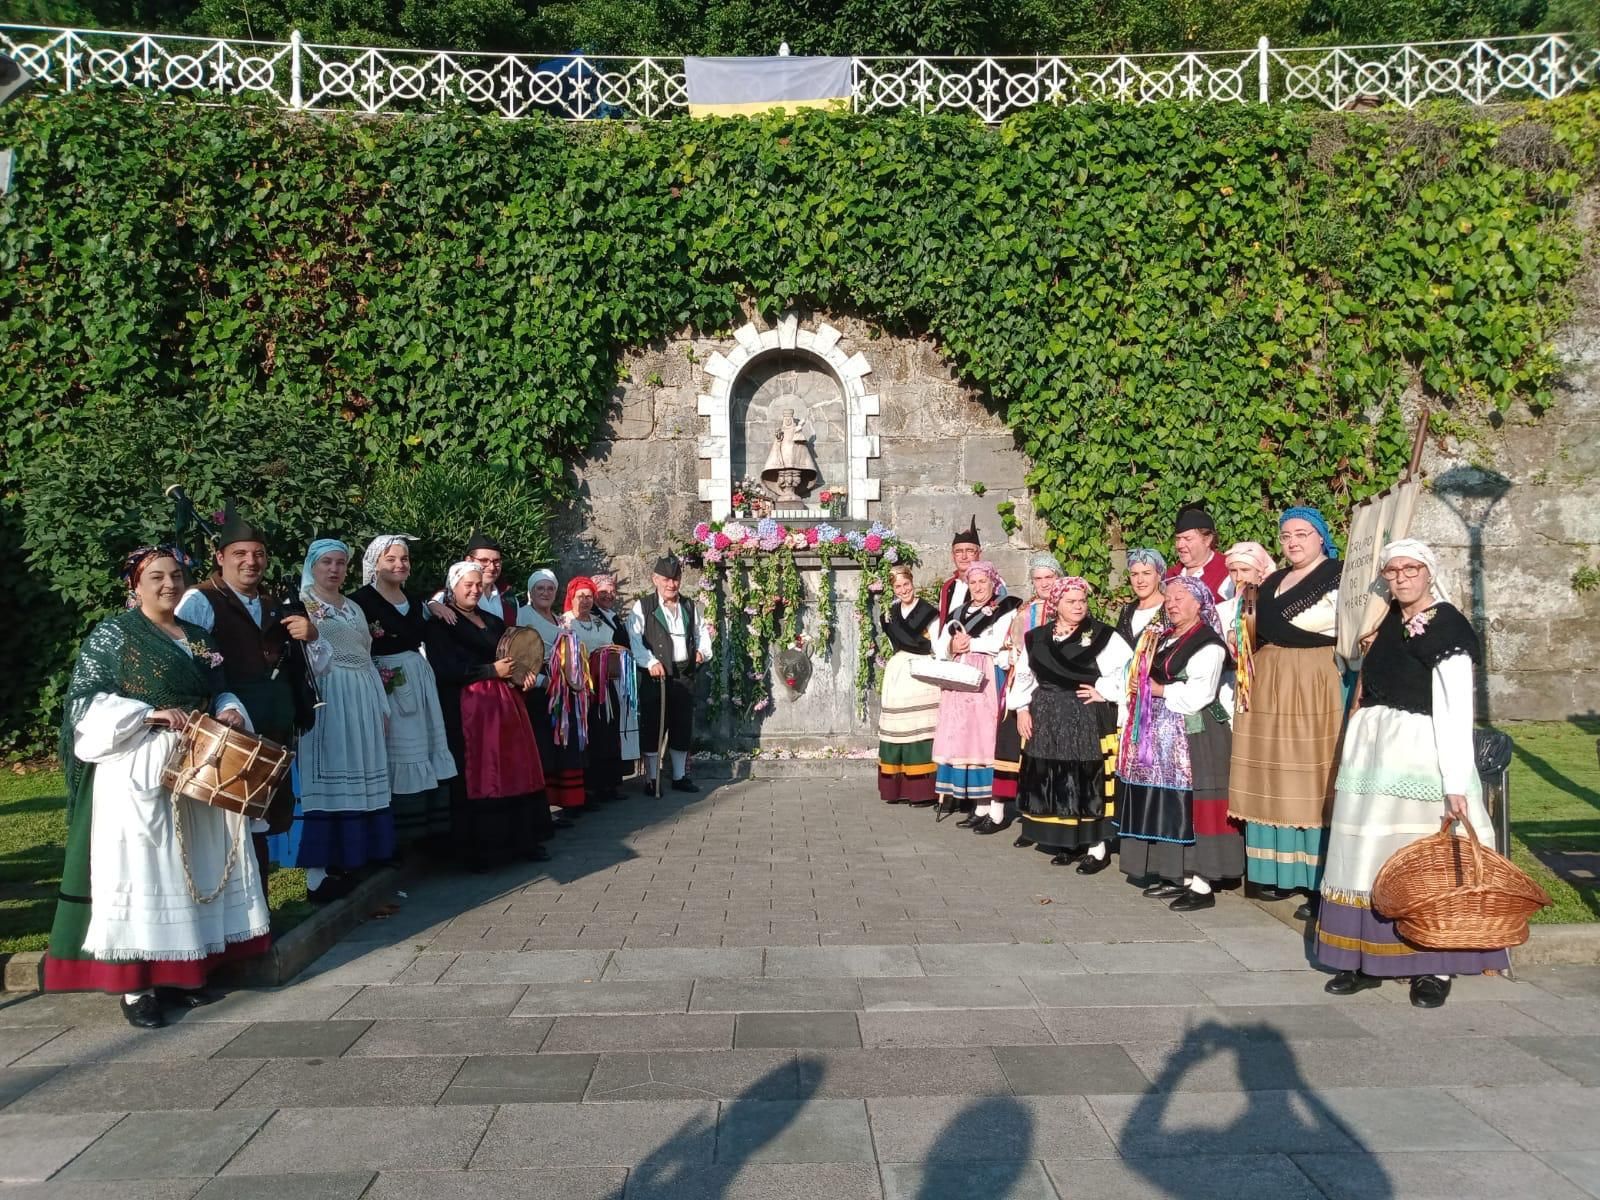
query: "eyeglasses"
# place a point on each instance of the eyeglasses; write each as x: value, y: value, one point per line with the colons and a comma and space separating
x: 487, y: 562
x: 1408, y: 572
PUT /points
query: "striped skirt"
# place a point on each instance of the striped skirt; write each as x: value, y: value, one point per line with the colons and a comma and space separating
x: 907, y: 719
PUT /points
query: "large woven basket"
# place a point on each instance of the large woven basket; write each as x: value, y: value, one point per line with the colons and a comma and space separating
x: 1451, y: 893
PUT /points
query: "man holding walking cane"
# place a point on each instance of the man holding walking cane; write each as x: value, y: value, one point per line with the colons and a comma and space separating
x: 670, y: 642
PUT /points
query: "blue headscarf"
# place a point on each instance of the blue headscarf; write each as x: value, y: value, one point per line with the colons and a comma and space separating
x: 318, y: 549
x: 1150, y: 558
x: 1314, y: 518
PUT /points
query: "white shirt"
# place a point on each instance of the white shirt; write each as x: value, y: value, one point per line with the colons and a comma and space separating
x: 1112, y: 663
x: 1199, y: 687
x: 988, y: 642
x: 672, y: 614
x: 1452, y: 723
x: 195, y: 608
x: 1223, y: 592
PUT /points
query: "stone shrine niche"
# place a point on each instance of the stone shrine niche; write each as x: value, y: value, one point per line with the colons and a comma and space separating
x: 776, y: 384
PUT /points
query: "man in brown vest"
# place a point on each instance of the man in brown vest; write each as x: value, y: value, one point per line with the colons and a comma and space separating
x: 253, y: 635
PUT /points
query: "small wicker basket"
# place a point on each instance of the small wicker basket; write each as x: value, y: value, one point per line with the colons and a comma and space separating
x: 1445, y: 892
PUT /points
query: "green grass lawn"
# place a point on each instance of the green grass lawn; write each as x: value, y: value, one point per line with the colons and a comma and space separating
x: 33, y: 838
x: 1555, y: 805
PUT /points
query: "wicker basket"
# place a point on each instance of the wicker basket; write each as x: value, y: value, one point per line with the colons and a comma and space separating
x: 1445, y: 892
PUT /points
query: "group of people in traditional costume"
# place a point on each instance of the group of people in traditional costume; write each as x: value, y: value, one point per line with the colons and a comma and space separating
x: 414, y: 729
x: 1210, y: 735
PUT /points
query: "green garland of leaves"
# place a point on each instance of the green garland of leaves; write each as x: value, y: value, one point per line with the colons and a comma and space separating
x: 1164, y: 301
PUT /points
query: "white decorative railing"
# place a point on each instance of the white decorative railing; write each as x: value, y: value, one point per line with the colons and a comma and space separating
x: 303, y: 76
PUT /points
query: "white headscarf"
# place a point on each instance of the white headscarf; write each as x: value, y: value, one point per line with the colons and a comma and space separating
x: 319, y: 549
x: 542, y: 575
x: 459, y: 571
x: 1420, y: 552
x: 375, y: 551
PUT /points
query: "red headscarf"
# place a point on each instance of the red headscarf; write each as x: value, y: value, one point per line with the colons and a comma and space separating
x: 577, y: 584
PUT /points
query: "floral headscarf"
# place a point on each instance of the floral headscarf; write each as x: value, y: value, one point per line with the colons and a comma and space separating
x: 317, y: 551
x: 459, y: 571
x: 133, y: 567
x: 1060, y: 587
x: 1252, y: 554
x: 1148, y: 557
x: 376, y: 549
x: 1197, y: 588
x: 984, y: 567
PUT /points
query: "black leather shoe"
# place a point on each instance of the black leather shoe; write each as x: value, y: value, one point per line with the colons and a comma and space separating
x: 1023, y: 841
x: 968, y: 821
x: 652, y: 787
x: 144, y: 1013
x: 1429, y: 991
x: 685, y: 785
x: 1348, y: 983
x: 1093, y: 866
x: 1192, y: 901
x: 984, y: 824
x: 1306, y: 911
x: 1264, y: 892
x: 1162, y: 890
x: 990, y: 825
x: 186, y: 998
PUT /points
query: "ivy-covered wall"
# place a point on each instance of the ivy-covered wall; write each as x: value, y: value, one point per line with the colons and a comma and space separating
x: 1163, y: 302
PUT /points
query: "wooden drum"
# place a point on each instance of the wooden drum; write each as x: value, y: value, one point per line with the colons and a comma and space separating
x: 226, y: 768
x: 526, y: 650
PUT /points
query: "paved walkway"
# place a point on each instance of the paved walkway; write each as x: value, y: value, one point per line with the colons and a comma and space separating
x: 787, y: 990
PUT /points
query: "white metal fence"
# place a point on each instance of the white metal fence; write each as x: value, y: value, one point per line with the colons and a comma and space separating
x: 303, y: 76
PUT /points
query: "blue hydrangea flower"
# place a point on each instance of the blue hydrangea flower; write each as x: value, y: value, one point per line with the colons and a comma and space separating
x: 766, y: 528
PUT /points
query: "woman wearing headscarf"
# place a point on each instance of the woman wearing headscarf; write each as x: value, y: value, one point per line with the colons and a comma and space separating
x: 1286, y: 734
x: 156, y: 889
x: 964, y: 737
x: 420, y: 763
x: 561, y: 747
x: 1043, y: 571
x: 909, y: 712
x: 1173, y: 761
x: 1072, y: 672
x: 1407, y: 762
x: 1145, y: 570
x: 579, y: 688
x: 498, y: 806
x: 343, y: 762
x: 1249, y: 564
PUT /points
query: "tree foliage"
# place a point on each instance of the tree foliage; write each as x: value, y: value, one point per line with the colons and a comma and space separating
x: 1163, y: 302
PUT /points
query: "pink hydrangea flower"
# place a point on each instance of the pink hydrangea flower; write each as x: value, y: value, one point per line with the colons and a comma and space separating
x: 811, y: 536
x: 713, y: 555
x: 720, y: 541
x: 701, y: 531
x: 873, y: 543
x: 838, y: 539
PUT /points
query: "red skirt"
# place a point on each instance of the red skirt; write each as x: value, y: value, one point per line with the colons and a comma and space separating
x: 96, y: 975
x: 502, y: 758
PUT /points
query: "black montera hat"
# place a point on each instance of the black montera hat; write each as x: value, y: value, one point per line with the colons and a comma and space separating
x: 235, y: 528
x: 969, y: 535
x: 1194, y: 516
x: 480, y: 541
x: 668, y: 566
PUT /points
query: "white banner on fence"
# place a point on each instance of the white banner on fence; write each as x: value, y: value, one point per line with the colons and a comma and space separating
x: 1363, y: 598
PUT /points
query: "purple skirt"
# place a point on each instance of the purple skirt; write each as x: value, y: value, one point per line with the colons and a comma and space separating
x: 1353, y: 938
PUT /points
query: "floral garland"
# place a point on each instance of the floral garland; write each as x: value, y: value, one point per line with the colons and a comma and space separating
x: 754, y: 597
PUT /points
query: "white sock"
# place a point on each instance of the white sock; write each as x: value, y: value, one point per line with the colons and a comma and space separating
x: 997, y: 811
x: 1199, y: 886
x: 314, y: 877
x: 130, y: 997
x: 652, y: 766
x: 1446, y: 978
x: 1097, y: 851
x: 680, y: 763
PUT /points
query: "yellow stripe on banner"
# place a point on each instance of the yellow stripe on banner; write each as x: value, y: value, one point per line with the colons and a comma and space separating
x: 751, y: 108
x: 1379, y: 949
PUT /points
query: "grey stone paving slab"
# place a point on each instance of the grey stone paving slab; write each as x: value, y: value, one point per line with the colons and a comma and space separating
x: 1234, y: 1061
x: 1580, y: 1167
x: 295, y: 1039
x: 1482, y: 1018
x: 1069, y: 1070
x: 136, y: 1087
x: 345, y: 1082
x: 1563, y: 1014
x: 796, y: 1030
x: 339, y: 1185
x: 1236, y: 1176
x: 947, y: 991
x: 988, y: 961
x: 19, y: 1081
x: 776, y: 995
x: 980, y: 1027
x: 545, y: 1183
x: 1578, y: 1057
x: 1166, y: 958
x: 437, y: 1000
x: 15, y: 1042
x: 1282, y: 987
x: 521, y: 1079
x: 794, y: 1131
x: 598, y: 1134
x: 1110, y: 991
x: 1420, y: 1119
x: 63, y: 1009
x: 530, y: 966
x: 1127, y: 1023
x: 740, y: 963
x: 36, y: 1145
x: 666, y: 1031
x: 964, y: 1181
x: 426, y: 968
x: 110, y: 1043
x: 697, y: 1075
x: 860, y: 962
x: 639, y: 996
x: 1278, y: 949
x: 936, y: 1071
x: 996, y: 1128
x: 360, y: 963
x: 1167, y: 1125
x: 452, y: 1036
x: 1574, y: 982
x: 761, y: 1181
x: 121, y: 1189
x: 324, y: 1140
x: 1539, y: 1118
x: 146, y: 1145
x: 1452, y: 1176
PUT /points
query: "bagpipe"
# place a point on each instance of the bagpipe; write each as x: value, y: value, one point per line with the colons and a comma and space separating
x: 201, y: 533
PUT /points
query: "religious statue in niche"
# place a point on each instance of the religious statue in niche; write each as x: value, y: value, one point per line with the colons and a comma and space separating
x: 791, y: 469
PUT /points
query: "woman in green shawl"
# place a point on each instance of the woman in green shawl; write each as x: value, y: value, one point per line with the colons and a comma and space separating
x: 157, y: 889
